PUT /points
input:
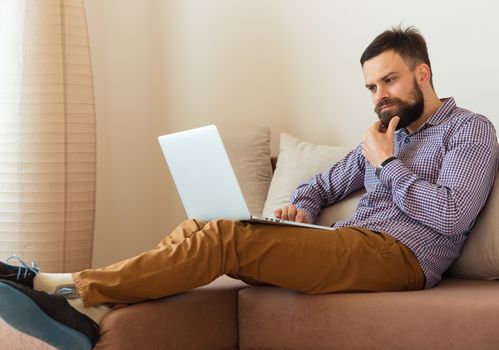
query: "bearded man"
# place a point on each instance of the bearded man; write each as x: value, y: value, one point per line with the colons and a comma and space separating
x: 427, y: 165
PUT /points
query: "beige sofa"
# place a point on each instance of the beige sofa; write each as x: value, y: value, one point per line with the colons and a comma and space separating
x: 456, y: 314
x: 459, y: 313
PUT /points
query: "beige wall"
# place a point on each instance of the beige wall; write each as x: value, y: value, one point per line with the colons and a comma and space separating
x: 163, y: 66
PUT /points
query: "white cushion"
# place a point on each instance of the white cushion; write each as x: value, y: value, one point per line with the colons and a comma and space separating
x: 298, y: 161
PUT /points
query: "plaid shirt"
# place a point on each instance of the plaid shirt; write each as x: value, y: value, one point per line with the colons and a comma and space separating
x: 429, y: 197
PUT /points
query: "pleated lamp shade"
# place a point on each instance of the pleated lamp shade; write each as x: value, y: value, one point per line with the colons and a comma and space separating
x: 47, y: 137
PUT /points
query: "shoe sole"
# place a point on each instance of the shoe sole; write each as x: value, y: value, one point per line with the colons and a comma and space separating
x: 21, y: 313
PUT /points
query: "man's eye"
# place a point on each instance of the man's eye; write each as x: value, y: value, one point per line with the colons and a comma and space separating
x: 372, y: 88
x: 389, y: 80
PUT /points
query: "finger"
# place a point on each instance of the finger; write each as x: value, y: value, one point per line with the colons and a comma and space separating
x: 284, y: 213
x: 292, y: 212
x: 392, y: 126
x: 377, y: 125
x: 300, y: 216
x: 278, y: 213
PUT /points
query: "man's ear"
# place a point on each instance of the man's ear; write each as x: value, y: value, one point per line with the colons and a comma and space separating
x: 423, y: 74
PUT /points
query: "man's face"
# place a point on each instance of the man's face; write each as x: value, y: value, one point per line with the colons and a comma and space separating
x: 394, y: 89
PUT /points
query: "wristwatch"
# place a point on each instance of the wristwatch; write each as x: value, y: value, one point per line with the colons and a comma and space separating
x: 377, y: 172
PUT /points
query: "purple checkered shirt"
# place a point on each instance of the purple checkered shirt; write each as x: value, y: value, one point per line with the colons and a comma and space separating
x: 429, y: 197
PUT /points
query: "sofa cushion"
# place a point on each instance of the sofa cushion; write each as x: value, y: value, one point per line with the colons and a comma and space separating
x: 249, y: 154
x: 456, y: 314
x: 480, y: 254
x: 203, y: 318
x: 298, y: 161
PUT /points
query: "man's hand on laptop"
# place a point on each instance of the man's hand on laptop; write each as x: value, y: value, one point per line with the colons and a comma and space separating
x: 291, y: 213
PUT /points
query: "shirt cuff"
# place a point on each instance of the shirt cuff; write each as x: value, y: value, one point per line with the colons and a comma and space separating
x: 311, y: 214
x: 393, y: 171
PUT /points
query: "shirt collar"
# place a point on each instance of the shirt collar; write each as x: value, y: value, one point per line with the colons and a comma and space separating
x: 440, y: 115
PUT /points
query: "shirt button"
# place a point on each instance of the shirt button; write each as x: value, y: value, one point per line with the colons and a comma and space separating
x: 407, y: 140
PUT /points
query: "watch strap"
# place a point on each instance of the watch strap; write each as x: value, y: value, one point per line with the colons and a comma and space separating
x: 377, y: 172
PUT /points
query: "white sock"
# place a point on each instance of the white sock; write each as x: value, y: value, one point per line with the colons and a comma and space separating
x: 48, y: 282
x: 96, y: 313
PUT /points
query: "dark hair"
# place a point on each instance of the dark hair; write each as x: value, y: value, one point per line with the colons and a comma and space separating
x: 408, y: 43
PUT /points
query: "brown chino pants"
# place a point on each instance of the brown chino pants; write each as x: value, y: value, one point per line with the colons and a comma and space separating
x: 310, y: 261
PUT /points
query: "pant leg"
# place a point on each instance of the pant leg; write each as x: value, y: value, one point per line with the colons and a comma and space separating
x: 187, y: 230
x: 307, y: 260
x: 182, y: 231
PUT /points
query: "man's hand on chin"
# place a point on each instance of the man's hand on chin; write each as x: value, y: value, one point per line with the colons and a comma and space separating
x: 378, y: 142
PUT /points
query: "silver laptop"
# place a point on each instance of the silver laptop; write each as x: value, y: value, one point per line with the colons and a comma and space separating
x: 205, y: 179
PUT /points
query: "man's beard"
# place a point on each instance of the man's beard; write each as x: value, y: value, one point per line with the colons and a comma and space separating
x: 407, y: 111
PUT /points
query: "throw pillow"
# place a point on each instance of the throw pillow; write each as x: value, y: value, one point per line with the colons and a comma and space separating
x: 249, y: 154
x: 298, y: 161
x: 480, y: 254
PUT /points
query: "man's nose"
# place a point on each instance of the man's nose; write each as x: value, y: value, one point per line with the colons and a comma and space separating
x: 381, y: 94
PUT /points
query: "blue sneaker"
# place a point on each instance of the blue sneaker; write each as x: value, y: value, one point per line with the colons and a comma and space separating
x: 46, y: 317
x: 21, y: 273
